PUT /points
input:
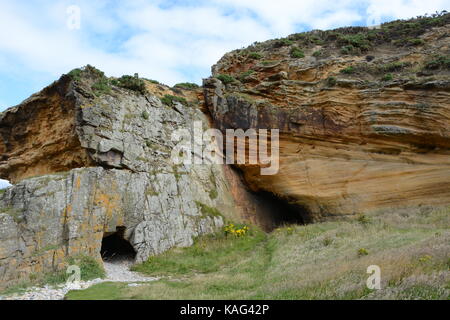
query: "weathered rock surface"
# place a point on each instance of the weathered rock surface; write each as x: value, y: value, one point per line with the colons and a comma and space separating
x: 358, y: 132
x: 122, y: 143
x: 364, y: 120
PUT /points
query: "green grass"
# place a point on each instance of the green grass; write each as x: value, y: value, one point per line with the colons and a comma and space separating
x: 358, y: 40
x: 75, y: 74
x: 209, y: 254
x: 282, y: 43
x: 225, y: 78
x: 131, y: 83
x: 104, y: 291
x: 317, y: 53
x: 316, y: 261
x: 438, y: 62
x: 101, y: 87
x: 296, y: 53
x: 244, y: 75
x: 89, y: 269
x: 207, y: 210
x: 187, y: 85
x: 255, y: 55
x: 348, y: 70
x: 169, y: 100
x: 387, y: 77
x: 213, y: 194
x: 393, y: 67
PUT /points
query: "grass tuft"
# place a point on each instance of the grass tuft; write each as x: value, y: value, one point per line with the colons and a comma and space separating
x: 325, y: 260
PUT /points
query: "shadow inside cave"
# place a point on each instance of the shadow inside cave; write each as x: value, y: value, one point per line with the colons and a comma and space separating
x: 116, y: 248
x: 279, y: 212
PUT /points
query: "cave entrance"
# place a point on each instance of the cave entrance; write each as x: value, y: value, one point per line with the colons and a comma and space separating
x: 279, y: 212
x: 115, y: 247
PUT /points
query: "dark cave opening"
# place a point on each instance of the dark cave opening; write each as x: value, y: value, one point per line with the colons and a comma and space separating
x: 116, y: 247
x: 279, y: 212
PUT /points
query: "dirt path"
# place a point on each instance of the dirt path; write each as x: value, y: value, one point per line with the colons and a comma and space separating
x: 116, y: 271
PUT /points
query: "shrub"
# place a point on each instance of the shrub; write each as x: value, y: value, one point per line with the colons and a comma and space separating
x: 151, y: 81
x: 237, y: 231
x: 187, y: 85
x: 387, y: 77
x: 94, y: 71
x: 75, y: 74
x: 145, y: 115
x: 331, y: 81
x: 327, y: 241
x: 282, y: 43
x: 438, y: 62
x: 213, y: 194
x: 348, y: 70
x: 225, y: 78
x: 131, y: 83
x: 394, y: 66
x: 317, y: 53
x: 89, y: 71
x: 169, y: 100
x: 102, y: 86
x: 255, y: 55
x: 363, y: 219
x: 297, y: 53
x: 362, y: 252
x: 268, y: 62
x: 245, y: 75
x: 359, y: 41
x: 347, y: 49
x: 416, y: 42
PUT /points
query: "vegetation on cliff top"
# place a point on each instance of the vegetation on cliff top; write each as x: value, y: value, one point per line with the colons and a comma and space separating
x: 187, y: 85
x: 357, y: 40
x: 319, y: 261
x: 100, y: 84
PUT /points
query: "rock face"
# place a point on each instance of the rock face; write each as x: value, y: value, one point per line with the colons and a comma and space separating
x: 364, y: 118
x: 104, y: 162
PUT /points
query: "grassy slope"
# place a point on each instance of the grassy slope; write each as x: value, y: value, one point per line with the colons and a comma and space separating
x: 317, y: 261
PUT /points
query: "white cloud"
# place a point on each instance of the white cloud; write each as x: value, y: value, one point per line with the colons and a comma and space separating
x: 166, y: 44
x: 283, y: 15
x: 402, y: 9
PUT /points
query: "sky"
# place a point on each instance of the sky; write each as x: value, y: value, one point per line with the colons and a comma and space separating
x: 169, y: 41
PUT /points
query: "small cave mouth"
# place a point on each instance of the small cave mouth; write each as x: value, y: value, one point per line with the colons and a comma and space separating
x: 279, y: 212
x: 115, y: 247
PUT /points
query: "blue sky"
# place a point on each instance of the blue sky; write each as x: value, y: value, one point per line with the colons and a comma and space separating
x: 169, y: 41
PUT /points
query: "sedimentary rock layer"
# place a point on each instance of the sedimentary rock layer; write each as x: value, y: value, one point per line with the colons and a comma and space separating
x: 103, y: 162
x: 358, y: 132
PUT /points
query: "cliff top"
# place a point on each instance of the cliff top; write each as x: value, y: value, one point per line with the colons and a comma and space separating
x: 414, y: 50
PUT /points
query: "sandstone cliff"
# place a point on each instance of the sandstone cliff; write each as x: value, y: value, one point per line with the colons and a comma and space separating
x: 364, y: 114
x: 87, y: 159
x: 364, y: 119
